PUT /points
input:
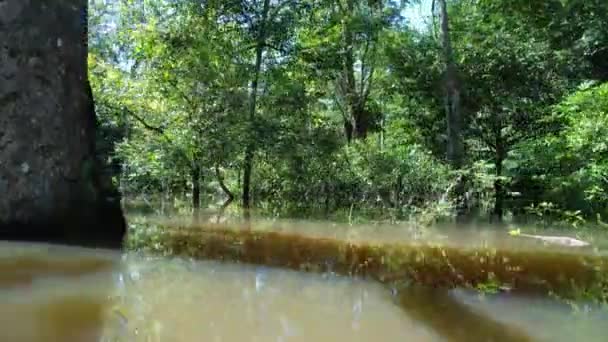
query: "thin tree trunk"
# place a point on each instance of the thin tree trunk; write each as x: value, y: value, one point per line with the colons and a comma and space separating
x: 246, y: 197
x: 195, y: 175
x: 499, y: 195
x: 52, y: 184
x: 220, y: 180
x: 239, y: 177
x: 381, y: 135
x: 498, y: 212
x: 455, y: 148
x: 220, y: 213
x: 249, y: 151
x: 327, y: 194
x: 352, y: 99
x: 398, y: 190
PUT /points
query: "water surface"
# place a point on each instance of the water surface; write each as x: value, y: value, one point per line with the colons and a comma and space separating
x: 50, y: 293
x: 461, y: 236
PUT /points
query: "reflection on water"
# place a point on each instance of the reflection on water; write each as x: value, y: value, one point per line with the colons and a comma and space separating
x: 447, y: 234
x: 51, y: 293
x: 177, y: 300
x: 61, y: 294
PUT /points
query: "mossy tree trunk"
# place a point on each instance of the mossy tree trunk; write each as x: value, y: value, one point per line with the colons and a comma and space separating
x: 52, y: 185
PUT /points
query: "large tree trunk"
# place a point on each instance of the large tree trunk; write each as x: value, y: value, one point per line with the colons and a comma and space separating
x: 52, y: 185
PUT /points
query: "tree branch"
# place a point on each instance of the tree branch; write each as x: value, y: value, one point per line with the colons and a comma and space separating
x: 155, y: 129
x: 276, y: 48
x: 146, y: 125
x: 189, y: 101
x: 486, y: 140
x: 220, y: 180
x: 278, y: 9
x: 370, y: 79
x: 340, y: 107
x: 366, y: 90
x: 363, y: 68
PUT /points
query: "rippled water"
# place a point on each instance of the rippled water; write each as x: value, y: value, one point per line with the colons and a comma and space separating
x: 66, y: 294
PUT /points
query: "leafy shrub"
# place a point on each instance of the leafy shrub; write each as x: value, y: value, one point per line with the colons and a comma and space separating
x: 567, y: 167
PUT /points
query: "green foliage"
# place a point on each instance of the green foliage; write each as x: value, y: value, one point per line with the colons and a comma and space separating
x: 569, y: 166
x: 349, y: 117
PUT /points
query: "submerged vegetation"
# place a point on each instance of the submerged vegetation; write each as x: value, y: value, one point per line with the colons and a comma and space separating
x: 482, y: 265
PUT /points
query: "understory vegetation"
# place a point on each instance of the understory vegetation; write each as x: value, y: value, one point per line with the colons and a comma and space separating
x: 352, y: 110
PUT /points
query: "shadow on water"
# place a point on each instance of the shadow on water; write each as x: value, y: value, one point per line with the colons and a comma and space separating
x: 453, y: 320
x: 53, y: 293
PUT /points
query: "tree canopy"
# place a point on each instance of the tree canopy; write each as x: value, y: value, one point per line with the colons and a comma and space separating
x: 322, y: 108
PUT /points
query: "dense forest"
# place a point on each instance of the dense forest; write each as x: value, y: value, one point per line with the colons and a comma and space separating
x: 154, y: 131
x: 489, y: 110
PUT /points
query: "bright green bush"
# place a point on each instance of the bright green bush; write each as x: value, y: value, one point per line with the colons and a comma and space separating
x: 566, y: 170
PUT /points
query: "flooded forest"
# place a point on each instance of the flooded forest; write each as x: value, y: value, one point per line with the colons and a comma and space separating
x: 303, y: 170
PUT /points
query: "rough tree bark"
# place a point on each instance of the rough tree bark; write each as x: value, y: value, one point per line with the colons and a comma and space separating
x: 51, y: 184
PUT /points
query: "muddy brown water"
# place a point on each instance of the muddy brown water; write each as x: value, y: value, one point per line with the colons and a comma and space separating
x: 52, y: 293
x: 462, y: 236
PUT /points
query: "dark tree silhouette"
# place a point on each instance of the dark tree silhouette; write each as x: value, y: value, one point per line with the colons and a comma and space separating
x: 52, y: 186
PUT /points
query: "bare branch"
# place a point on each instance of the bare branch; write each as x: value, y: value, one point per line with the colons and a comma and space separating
x: 276, y: 48
x: 190, y: 102
x: 156, y: 129
x: 143, y: 122
x: 220, y: 180
x: 363, y: 64
x: 370, y: 79
x: 341, y: 108
x: 370, y: 76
